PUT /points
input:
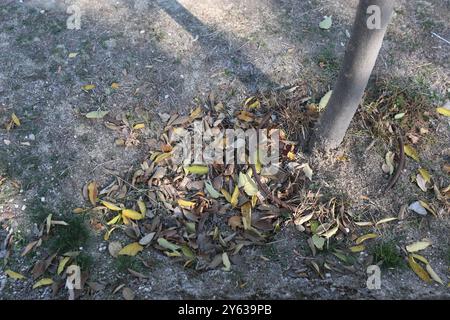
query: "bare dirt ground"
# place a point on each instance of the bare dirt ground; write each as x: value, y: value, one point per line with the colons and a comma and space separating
x: 169, y: 56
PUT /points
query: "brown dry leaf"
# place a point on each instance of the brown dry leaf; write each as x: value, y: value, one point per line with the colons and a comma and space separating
x: 137, y: 274
x: 235, y: 222
x: 29, y: 247
x: 128, y: 294
x: 92, y: 192
x: 38, y: 269
x: 245, y: 116
x: 114, y: 248
x: 246, y: 212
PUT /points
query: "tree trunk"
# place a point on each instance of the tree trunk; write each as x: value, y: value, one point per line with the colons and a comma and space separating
x: 360, y: 57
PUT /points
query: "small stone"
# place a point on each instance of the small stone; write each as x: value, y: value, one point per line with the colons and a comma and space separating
x: 7, y: 142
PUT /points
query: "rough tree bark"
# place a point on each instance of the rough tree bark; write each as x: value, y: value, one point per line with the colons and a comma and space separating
x: 359, y: 60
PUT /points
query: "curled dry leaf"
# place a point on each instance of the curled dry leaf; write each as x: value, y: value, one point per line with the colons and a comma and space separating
x: 92, y: 192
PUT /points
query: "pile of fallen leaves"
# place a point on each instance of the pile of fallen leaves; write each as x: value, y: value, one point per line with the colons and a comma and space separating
x: 203, y: 215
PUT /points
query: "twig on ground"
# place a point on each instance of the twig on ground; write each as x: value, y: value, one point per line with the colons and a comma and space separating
x: 439, y: 37
x: 401, y: 163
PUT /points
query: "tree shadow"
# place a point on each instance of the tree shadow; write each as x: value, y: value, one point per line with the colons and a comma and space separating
x: 219, y: 47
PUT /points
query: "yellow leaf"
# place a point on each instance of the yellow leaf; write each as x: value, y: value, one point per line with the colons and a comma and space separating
x: 78, y: 210
x: 291, y: 155
x: 196, y: 169
x: 411, y: 152
x: 425, y: 174
x: 419, y: 270
x: 73, y: 55
x: 331, y: 232
x: 88, y: 87
x: 114, y: 220
x: 252, y: 103
x: 433, y: 274
x: 226, y: 262
x: 226, y: 194
x: 358, y: 248
x: 249, y: 185
x: 111, y: 206
x: 197, y: 112
x: 185, y: 204
x: 62, y: 264
x: 139, y: 126
x: 142, y: 207
x: 417, y: 246
x: 92, y: 192
x: 15, y: 119
x: 427, y: 206
x: 14, y: 275
x: 420, y: 258
x: 366, y: 237
x: 131, y: 250
x: 131, y: 214
x: 385, y: 220
x: 115, y: 85
x: 108, y: 233
x: 168, y: 245
x: 235, y: 197
x: 43, y: 282
x: 364, y: 224
x: 443, y: 111
x: 163, y: 156
x: 125, y: 220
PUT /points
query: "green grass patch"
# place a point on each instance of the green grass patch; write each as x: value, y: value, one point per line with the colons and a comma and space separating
x: 388, y: 253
